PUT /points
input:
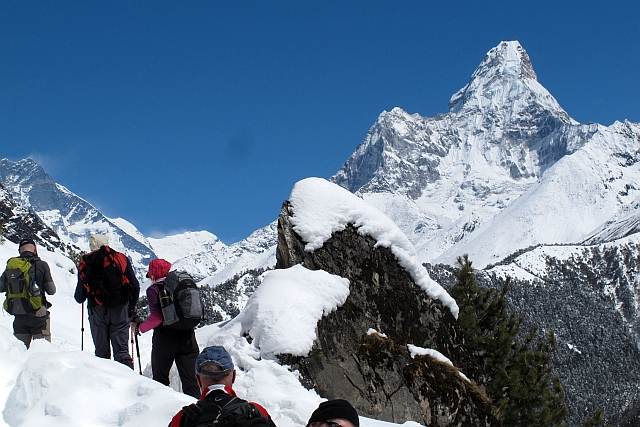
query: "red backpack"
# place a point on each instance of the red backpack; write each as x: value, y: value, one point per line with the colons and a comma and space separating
x: 102, y: 273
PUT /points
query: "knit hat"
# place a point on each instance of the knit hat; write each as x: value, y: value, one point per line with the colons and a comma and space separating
x: 159, y: 268
x: 26, y: 241
x: 217, y: 356
x: 98, y: 240
x: 332, y: 409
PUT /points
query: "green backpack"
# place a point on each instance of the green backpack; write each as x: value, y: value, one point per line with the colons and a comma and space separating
x: 23, y: 294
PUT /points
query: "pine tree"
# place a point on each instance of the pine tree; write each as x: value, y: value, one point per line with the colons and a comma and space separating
x: 596, y: 421
x: 517, y: 373
x: 74, y: 255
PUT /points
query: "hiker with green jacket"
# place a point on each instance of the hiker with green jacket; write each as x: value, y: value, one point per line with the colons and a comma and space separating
x: 26, y: 282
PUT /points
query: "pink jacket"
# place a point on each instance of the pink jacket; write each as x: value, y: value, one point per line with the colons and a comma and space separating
x: 155, y: 319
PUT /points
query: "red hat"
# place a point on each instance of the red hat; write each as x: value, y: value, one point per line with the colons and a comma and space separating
x: 159, y: 268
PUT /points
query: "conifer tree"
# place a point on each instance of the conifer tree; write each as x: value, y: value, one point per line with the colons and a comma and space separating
x: 596, y: 421
x: 517, y: 373
x: 74, y: 255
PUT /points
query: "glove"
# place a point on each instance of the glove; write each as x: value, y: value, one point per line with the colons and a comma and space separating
x: 136, y: 328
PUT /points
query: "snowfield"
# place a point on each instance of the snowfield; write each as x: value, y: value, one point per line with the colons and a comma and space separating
x: 55, y: 384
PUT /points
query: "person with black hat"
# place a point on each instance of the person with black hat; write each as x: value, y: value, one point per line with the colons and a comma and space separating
x: 334, y: 413
x: 26, y: 281
x: 215, y: 375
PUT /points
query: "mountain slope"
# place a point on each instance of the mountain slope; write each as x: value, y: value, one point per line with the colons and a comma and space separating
x: 72, y: 217
x: 18, y: 222
x: 177, y: 246
x: 483, y: 178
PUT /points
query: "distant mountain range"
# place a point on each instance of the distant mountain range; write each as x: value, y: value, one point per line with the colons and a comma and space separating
x: 507, y: 168
x: 506, y: 176
x: 72, y: 220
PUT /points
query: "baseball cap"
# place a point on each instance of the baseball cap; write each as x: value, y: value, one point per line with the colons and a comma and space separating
x: 217, y: 356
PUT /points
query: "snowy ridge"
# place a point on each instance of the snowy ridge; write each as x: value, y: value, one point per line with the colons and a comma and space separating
x: 616, y: 229
x: 72, y: 217
x: 505, y: 81
x: 574, y: 197
x: 178, y: 246
x: 55, y: 383
x: 216, y: 266
x: 505, y: 169
x: 321, y: 208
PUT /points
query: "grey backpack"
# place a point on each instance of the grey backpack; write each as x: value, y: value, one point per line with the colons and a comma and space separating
x: 181, y: 301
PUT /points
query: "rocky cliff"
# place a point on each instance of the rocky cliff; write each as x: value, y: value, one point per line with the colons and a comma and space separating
x: 19, y: 222
x: 376, y: 370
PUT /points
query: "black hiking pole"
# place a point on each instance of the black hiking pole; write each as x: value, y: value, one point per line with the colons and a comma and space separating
x: 138, y: 351
x: 133, y: 360
x: 82, y: 330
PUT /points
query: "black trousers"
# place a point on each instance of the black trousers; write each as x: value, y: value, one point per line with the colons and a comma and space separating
x: 29, y: 326
x: 179, y: 346
x: 110, y: 328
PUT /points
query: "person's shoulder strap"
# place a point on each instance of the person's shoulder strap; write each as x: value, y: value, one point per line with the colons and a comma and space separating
x: 176, y: 421
x: 120, y: 259
x: 260, y: 408
x: 205, y: 410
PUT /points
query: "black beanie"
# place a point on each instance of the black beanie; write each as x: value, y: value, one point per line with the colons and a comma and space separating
x: 331, y: 409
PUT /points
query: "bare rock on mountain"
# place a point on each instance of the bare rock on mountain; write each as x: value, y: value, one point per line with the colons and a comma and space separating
x: 375, y: 370
x: 19, y: 222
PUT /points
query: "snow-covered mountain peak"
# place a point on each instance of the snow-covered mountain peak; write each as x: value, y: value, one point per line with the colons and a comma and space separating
x: 506, y: 86
x: 25, y: 171
x: 176, y: 246
x: 508, y: 58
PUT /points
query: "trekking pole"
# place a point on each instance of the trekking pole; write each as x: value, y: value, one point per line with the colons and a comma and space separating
x: 82, y: 330
x: 138, y: 351
x: 133, y: 360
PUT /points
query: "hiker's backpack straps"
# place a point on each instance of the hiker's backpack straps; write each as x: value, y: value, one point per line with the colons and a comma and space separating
x: 219, y: 409
x: 186, y: 310
x: 207, y: 412
x: 102, y: 273
x: 23, y: 294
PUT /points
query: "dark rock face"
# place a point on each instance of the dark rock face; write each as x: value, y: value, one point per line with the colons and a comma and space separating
x: 374, y: 372
x: 18, y: 222
x: 32, y: 187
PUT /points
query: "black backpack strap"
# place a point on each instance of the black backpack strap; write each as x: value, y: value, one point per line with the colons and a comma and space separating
x: 192, y: 411
x: 206, y: 411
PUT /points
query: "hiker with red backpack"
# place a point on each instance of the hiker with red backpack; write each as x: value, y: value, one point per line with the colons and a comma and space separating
x: 26, y: 281
x: 174, y: 338
x: 218, y: 404
x: 107, y: 281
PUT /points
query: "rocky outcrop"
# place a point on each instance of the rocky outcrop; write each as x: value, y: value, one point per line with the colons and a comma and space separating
x: 18, y: 222
x: 375, y: 370
x: 71, y: 217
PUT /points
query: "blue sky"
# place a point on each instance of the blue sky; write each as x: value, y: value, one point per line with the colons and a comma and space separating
x: 203, y: 114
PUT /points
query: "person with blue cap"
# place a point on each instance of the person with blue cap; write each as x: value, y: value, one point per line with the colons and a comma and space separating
x: 215, y: 375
